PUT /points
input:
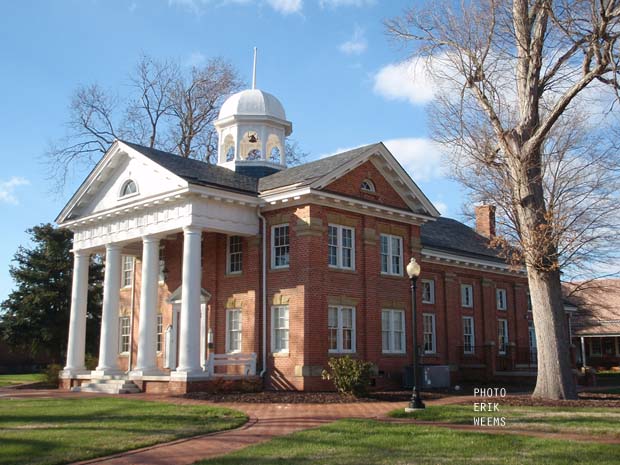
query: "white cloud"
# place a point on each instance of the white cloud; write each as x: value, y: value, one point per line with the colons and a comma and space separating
x: 408, y: 80
x: 286, y: 7
x: 7, y: 189
x: 132, y: 7
x: 421, y: 157
x: 441, y: 206
x: 356, y: 45
x: 195, y: 59
x: 337, y: 3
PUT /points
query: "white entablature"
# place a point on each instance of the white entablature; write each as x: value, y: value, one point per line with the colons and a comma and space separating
x: 108, y: 209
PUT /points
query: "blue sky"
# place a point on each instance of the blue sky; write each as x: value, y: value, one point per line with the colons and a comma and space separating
x: 329, y: 61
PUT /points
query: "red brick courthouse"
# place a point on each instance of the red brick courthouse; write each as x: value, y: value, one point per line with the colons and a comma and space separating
x: 252, y: 271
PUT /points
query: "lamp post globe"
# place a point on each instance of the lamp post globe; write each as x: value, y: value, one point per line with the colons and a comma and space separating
x: 413, y: 271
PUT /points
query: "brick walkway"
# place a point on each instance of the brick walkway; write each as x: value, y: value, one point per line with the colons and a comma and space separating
x: 268, y: 421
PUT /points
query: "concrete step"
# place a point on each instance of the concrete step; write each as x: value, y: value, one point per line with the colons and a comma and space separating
x: 108, y: 387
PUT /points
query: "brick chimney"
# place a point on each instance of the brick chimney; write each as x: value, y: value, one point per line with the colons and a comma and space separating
x: 485, y: 220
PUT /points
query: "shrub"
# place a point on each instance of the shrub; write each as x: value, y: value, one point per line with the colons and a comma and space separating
x: 350, y: 376
x: 52, y: 373
x: 91, y: 362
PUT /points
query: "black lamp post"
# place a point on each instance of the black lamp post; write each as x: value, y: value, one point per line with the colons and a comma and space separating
x: 413, y: 270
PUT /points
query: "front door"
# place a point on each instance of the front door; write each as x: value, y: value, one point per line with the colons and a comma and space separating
x: 173, y: 335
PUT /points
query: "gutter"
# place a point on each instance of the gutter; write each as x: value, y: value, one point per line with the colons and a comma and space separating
x: 263, y: 277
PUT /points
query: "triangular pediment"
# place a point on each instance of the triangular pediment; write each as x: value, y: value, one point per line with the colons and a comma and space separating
x: 392, y: 185
x: 103, y: 190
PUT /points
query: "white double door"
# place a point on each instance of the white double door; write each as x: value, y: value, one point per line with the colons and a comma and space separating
x: 173, y: 333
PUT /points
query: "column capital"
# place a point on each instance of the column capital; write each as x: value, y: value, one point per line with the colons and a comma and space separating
x: 81, y: 253
x: 192, y: 229
x: 113, y: 246
x: 150, y: 239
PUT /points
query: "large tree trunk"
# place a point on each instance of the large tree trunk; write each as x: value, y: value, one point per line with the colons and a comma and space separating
x: 555, y: 376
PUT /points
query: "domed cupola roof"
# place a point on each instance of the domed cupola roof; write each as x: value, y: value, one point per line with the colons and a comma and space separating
x: 252, y: 102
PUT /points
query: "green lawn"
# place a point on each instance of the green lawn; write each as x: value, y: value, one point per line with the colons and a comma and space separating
x: 593, y: 421
x: 369, y: 442
x: 54, y: 431
x: 10, y: 380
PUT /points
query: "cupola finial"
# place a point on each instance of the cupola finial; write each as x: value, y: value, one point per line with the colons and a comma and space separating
x: 254, y: 69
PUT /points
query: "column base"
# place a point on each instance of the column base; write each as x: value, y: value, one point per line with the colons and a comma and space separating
x: 102, y: 373
x: 68, y: 373
x: 196, y: 374
x: 143, y: 372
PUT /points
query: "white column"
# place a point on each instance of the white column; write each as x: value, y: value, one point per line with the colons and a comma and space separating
x: 146, y: 363
x: 108, y: 343
x: 77, y: 323
x: 189, y: 339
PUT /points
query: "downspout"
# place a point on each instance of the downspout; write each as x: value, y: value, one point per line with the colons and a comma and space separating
x: 263, y: 278
x: 133, y: 304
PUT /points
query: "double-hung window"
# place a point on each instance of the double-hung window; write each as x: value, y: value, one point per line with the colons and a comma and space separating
x: 234, y: 255
x: 393, y: 331
x: 233, y: 330
x: 502, y: 333
x: 428, y: 291
x: 127, y: 270
x: 160, y: 332
x: 500, y: 296
x: 428, y: 323
x: 280, y: 246
x: 280, y: 328
x: 125, y: 329
x: 469, y: 337
x: 341, y: 327
x: 391, y: 254
x: 341, y: 247
x: 467, y: 295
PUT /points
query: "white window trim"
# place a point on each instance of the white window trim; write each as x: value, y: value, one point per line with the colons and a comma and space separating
x: 600, y: 344
x: 431, y: 283
x: 228, y: 254
x: 120, y: 335
x: 273, y: 247
x: 273, y: 330
x: 434, y: 351
x: 228, y: 341
x: 473, y: 335
x: 391, y: 332
x: 128, y: 196
x: 370, y: 184
x: 503, y: 323
x: 390, y: 254
x: 340, y: 248
x: 498, y: 292
x: 162, y: 342
x: 339, y: 349
x: 471, y: 296
x: 127, y: 270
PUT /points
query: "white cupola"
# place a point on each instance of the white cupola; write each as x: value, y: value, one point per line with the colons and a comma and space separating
x: 252, y: 130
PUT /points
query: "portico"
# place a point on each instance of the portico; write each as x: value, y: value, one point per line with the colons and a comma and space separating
x: 136, y: 225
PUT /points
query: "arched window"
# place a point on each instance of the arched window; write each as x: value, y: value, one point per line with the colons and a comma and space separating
x: 367, y: 185
x: 274, y: 155
x: 254, y: 154
x: 230, y: 155
x: 129, y: 188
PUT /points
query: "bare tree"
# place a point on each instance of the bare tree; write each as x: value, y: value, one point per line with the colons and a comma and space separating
x: 508, y: 74
x: 165, y: 109
x: 153, y: 82
x: 195, y: 102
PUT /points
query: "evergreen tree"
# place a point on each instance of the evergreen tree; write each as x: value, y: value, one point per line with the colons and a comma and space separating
x: 35, y: 317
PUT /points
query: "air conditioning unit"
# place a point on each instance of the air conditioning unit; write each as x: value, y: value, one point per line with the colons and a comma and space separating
x: 436, y: 376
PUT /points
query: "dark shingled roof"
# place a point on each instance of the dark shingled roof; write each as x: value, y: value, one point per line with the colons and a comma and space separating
x: 199, y: 172
x: 453, y: 236
x: 443, y: 234
x: 307, y: 173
